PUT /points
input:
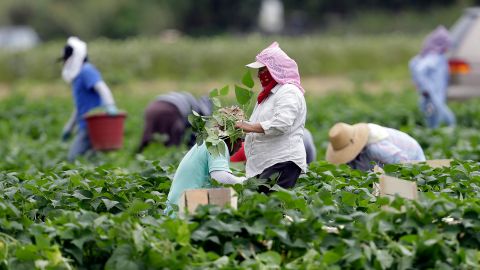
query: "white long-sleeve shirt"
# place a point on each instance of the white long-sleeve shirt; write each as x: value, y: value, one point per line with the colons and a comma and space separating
x: 227, y: 178
x: 282, y: 116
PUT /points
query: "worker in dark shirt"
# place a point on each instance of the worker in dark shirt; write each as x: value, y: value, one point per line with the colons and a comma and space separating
x: 168, y: 115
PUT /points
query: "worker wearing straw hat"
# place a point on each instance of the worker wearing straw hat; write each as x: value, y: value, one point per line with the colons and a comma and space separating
x: 363, y: 145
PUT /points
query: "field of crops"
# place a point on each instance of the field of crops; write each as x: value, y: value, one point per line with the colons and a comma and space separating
x: 105, y: 211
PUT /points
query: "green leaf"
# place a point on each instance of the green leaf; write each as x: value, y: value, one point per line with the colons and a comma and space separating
x: 213, y: 93
x: 221, y: 262
x: 331, y: 257
x: 216, y: 102
x: 247, y: 79
x: 224, y: 91
x: 384, y: 258
x: 270, y: 258
x: 138, y: 238
x: 138, y: 206
x: 120, y: 259
x: 191, y: 119
x: 79, y: 194
x: 183, y: 234
x: 78, y: 242
x: 109, y: 204
x: 42, y: 241
x: 221, y: 148
x: 26, y: 253
x: 348, y: 198
x: 243, y: 95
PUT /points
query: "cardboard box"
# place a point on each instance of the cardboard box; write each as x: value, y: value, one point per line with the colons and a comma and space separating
x: 192, y: 198
x: 390, y: 186
x: 434, y: 163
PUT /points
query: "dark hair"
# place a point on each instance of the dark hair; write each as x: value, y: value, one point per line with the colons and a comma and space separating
x: 67, y: 52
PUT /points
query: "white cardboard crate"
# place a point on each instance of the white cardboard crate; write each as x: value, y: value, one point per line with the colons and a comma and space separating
x: 192, y: 198
x: 434, y: 163
x: 406, y: 189
x: 391, y: 186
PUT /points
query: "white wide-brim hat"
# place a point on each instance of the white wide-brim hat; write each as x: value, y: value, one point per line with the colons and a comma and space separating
x: 255, y: 64
x: 346, y: 142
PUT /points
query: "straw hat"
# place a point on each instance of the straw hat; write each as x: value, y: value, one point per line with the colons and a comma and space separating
x: 346, y: 142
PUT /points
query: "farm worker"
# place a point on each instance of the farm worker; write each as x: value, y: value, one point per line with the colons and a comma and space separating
x: 310, y: 149
x: 168, y: 115
x: 274, y: 141
x: 429, y: 71
x: 362, y: 145
x: 198, y: 166
x: 89, y: 92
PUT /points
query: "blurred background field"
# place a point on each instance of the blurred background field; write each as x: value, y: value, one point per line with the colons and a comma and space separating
x: 357, y: 58
x: 30, y: 130
x: 353, y: 59
x: 192, y: 45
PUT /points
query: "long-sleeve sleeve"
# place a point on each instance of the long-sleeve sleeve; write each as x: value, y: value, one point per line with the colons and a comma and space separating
x: 71, y: 122
x: 285, y: 112
x: 430, y: 74
x: 105, y: 93
x: 385, y: 152
x: 226, y: 177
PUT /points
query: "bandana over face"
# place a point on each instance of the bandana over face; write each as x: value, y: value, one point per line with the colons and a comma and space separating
x: 73, y: 65
x: 282, y: 68
x: 268, y: 82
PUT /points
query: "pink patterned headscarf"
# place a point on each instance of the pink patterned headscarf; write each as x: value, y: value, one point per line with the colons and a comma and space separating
x: 438, y: 41
x: 283, y: 68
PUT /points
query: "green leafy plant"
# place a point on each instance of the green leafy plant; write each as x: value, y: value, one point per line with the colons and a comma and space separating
x: 108, y: 213
x: 214, y: 129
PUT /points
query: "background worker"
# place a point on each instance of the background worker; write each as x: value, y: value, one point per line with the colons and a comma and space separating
x: 168, y: 115
x: 362, y: 146
x: 430, y: 72
x: 199, y: 166
x: 89, y: 91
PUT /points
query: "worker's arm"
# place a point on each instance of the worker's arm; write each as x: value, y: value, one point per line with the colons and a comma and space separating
x: 69, y: 126
x: 250, y: 127
x: 226, y: 177
x: 106, y: 96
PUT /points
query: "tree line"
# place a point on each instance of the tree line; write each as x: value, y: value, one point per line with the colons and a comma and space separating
x: 125, y: 18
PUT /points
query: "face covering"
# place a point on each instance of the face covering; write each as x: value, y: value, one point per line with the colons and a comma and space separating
x: 74, y: 63
x: 267, y: 82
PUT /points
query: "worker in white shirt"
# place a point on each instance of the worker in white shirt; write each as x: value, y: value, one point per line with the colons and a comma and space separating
x: 274, y: 142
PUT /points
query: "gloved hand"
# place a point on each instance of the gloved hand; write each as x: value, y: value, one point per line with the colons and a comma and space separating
x: 111, y: 109
x: 66, y: 134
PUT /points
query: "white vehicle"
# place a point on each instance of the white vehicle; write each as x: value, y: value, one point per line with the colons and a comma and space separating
x: 464, y: 56
x: 17, y: 38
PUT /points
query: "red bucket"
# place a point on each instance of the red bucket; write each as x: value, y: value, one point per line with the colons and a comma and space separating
x: 105, y: 131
